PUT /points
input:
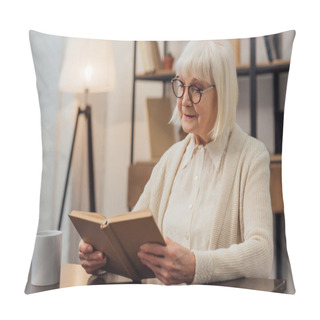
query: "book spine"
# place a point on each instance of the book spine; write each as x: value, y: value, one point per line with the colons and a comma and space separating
x: 276, y: 41
x: 156, y: 55
x: 273, y: 47
x: 268, y: 48
x: 236, y: 46
x: 121, y: 253
x: 151, y: 64
x: 143, y: 54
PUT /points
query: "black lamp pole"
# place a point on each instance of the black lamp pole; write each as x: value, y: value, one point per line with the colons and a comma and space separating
x: 87, y: 113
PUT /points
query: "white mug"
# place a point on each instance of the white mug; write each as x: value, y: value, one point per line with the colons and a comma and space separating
x: 46, y: 260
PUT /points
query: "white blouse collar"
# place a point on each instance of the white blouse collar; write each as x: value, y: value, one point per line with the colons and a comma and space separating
x: 215, y: 148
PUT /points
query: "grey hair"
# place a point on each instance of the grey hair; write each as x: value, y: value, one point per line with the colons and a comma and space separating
x: 212, y: 61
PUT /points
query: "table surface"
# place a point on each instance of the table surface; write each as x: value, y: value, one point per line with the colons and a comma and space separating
x: 74, y: 275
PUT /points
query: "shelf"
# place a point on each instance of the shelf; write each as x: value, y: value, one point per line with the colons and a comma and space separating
x: 275, y: 67
x: 163, y: 75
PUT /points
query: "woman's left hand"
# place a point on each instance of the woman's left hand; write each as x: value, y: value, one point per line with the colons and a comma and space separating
x: 171, y: 264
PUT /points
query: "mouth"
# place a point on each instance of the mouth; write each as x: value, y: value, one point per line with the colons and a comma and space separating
x: 188, y: 116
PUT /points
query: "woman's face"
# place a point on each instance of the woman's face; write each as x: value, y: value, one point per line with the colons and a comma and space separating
x: 199, y: 118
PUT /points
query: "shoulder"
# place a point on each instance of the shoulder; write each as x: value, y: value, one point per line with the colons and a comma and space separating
x: 248, y: 147
x: 249, y: 141
x: 176, y: 150
x: 171, y: 159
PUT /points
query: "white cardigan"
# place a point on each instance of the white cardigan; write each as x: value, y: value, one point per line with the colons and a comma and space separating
x: 241, y: 241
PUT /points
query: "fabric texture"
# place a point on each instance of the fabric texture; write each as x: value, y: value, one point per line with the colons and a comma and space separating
x: 189, y: 215
x: 241, y: 239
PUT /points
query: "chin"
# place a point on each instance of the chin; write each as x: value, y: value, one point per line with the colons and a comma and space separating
x: 186, y: 129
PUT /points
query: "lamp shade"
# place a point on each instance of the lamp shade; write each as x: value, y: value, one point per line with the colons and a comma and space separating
x: 87, y: 64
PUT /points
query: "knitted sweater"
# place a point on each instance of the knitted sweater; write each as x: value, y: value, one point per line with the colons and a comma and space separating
x: 241, y: 241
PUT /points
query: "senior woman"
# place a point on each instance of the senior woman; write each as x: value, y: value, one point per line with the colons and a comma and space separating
x: 209, y: 193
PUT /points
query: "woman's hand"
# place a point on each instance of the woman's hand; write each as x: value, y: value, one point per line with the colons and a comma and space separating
x: 91, y: 260
x: 171, y: 264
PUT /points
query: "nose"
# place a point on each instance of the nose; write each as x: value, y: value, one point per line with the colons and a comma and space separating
x: 186, y: 98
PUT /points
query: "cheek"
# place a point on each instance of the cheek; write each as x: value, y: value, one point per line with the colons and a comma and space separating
x: 179, y: 107
x: 207, y: 115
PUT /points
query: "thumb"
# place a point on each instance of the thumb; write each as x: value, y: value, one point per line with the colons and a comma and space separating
x: 168, y: 241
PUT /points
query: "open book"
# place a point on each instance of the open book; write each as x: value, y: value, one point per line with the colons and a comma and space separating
x: 120, y: 238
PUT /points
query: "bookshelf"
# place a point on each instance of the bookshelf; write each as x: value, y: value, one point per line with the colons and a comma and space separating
x: 161, y: 75
x: 251, y: 70
x: 165, y: 76
x: 266, y: 68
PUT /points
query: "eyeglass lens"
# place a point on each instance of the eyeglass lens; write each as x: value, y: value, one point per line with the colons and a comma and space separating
x: 178, y: 90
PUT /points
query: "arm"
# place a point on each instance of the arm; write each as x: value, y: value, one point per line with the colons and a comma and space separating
x: 253, y: 256
x: 94, y: 261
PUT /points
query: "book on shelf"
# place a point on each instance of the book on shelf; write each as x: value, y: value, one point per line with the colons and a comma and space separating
x: 236, y: 46
x: 150, y: 56
x: 120, y: 238
x: 156, y: 56
x: 146, y: 55
x: 165, y: 74
x: 277, y: 39
x: 161, y: 133
x: 271, y: 48
x: 268, y: 48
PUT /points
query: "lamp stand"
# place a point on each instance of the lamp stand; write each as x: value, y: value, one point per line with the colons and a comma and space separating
x: 87, y: 113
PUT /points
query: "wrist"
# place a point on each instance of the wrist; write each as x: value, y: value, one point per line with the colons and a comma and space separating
x: 192, y: 268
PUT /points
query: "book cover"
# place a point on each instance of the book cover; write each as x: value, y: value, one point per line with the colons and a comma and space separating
x: 236, y: 46
x: 156, y: 56
x: 161, y: 133
x: 120, y: 238
x: 147, y: 56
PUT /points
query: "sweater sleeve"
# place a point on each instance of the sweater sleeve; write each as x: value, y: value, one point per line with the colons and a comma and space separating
x: 253, y: 256
x: 161, y: 178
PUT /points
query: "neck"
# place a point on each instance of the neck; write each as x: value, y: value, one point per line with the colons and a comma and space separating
x: 200, y: 140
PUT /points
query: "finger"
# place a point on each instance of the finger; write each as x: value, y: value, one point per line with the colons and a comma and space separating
x: 165, y: 280
x: 92, y: 266
x: 151, y: 258
x: 94, y: 256
x: 168, y: 241
x: 85, y: 247
x: 156, y: 269
x: 153, y: 248
x: 159, y: 272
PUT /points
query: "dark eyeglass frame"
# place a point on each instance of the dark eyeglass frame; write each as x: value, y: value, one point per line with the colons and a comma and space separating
x: 201, y: 92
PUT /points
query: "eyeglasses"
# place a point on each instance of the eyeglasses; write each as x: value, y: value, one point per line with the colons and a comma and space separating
x: 194, y: 92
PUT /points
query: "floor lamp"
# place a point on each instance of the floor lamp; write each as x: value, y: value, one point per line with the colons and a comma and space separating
x: 88, y: 67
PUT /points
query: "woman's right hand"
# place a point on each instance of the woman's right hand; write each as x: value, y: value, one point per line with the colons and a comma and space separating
x: 91, y: 260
